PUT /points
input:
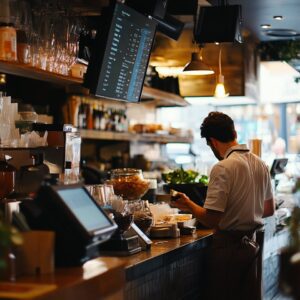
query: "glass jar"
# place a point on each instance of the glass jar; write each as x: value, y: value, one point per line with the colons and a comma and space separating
x: 129, y: 183
x: 8, y: 42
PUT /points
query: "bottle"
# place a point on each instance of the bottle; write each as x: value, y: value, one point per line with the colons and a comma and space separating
x: 81, y: 115
x: 102, y: 125
x: 89, y: 116
x: 96, y: 119
x: 23, y: 47
x: 7, y: 176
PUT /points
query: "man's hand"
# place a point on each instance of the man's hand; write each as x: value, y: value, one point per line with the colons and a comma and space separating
x: 181, y: 201
x: 208, y: 217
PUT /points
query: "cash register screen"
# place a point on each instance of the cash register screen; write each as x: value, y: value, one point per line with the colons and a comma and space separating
x: 84, y: 209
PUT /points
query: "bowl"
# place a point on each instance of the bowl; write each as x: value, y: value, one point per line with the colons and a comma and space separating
x: 195, y: 191
x: 129, y: 183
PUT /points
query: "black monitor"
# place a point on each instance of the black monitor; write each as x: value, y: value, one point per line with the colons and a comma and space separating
x: 121, y: 54
x: 78, y: 221
x: 278, y: 166
x: 219, y: 24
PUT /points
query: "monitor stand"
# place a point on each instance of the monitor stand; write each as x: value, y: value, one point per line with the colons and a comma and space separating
x: 121, y: 245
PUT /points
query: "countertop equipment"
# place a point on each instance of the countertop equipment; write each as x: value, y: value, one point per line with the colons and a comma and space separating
x: 78, y: 221
x: 123, y: 242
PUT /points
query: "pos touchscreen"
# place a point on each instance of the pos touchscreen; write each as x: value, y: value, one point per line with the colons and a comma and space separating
x: 87, y: 212
x: 78, y: 221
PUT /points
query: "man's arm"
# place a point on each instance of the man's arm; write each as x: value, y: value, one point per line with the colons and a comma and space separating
x: 208, y: 217
x: 269, y: 208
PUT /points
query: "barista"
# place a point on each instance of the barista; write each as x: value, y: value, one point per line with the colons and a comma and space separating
x: 239, y: 195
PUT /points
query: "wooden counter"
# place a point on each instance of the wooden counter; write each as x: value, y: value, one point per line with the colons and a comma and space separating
x: 101, y: 278
x: 179, y: 261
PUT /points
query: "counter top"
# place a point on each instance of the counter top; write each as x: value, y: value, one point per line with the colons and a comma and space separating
x: 91, y: 281
x: 102, y: 276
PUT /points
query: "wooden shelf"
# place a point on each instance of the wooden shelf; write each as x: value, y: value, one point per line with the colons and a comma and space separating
x: 163, y: 98
x: 160, y: 98
x: 132, y: 137
x: 37, y: 74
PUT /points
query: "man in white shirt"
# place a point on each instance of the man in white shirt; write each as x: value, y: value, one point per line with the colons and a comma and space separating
x: 239, y: 195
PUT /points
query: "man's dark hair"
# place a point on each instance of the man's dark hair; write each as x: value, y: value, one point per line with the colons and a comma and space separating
x: 219, y: 126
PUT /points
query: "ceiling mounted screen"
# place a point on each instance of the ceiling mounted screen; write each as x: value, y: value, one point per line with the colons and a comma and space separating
x: 121, y: 54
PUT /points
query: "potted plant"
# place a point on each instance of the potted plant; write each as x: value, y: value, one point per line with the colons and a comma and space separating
x: 189, y: 182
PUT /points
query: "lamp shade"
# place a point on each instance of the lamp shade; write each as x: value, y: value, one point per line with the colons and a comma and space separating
x: 196, y: 66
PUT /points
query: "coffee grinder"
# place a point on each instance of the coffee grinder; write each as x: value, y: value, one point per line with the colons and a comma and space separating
x: 122, y: 243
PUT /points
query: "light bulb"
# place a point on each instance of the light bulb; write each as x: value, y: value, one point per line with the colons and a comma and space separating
x: 220, y: 89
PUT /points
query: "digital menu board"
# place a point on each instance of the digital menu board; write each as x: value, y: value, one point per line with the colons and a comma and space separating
x: 120, y: 58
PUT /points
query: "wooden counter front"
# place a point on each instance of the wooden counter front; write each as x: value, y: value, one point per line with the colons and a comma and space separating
x: 100, y: 278
x: 174, y: 268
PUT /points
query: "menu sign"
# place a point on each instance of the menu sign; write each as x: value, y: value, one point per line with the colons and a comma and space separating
x: 126, y: 55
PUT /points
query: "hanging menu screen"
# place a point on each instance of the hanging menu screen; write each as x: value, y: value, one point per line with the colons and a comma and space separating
x: 126, y: 55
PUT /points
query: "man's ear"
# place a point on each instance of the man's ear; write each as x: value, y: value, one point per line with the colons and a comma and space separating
x: 213, y: 141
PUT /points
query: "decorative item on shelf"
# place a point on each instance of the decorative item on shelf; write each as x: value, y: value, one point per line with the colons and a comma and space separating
x: 220, y: 88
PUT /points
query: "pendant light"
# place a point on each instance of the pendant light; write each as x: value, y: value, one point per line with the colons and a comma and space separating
x: 196, y: 66
x: 220, y: 88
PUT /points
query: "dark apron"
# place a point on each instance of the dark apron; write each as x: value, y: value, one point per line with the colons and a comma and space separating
x: 234, y: 266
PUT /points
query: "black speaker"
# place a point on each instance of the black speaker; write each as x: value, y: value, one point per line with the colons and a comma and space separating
x: 156, y: 8
x: 166, y: 23
x: 219, y: 24
x: 180, y: 7
x: 169, y: 26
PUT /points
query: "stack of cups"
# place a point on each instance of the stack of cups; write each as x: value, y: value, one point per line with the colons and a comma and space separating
x: 9, y: 135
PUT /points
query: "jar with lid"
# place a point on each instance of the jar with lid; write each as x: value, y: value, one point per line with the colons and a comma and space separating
x: 8, y: 42
x: 7, y: 176
x: 129, y: 183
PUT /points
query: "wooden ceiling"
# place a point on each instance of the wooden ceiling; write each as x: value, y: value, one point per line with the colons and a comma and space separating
x: 167, y: 52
